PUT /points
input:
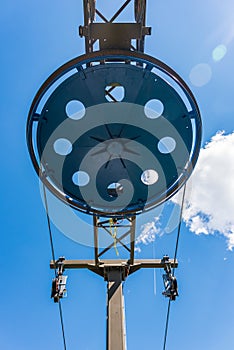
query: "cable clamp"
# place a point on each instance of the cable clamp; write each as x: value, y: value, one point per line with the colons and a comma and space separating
x: 170, y: 281
x: 59, y: 290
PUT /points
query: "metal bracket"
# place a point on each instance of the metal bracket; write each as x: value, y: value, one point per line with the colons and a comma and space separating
x: 170, y: 281
x: 114, y: 35
x: 59, y: 290
x: 123, y: 271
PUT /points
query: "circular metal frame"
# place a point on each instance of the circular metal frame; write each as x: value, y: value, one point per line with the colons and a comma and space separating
x: 117, y: 56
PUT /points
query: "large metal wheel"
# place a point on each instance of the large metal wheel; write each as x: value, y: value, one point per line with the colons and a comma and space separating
x: 114, y: 159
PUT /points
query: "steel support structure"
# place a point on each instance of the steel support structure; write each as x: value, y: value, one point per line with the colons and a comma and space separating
x: 123, y: 43
x: 112, y: 35
x: 126, y: 224
x: 130, y: 37
x: 114, y: 273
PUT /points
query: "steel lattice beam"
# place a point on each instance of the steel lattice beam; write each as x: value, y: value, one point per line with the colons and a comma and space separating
x: 112, y: 34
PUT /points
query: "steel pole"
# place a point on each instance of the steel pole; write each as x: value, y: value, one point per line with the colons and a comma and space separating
x: 116, y: 334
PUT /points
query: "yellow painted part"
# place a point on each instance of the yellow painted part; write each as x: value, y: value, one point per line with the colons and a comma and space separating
x: 114, y: 235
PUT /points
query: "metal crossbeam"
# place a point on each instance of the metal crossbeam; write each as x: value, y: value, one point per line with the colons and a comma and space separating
x: 116, y: 263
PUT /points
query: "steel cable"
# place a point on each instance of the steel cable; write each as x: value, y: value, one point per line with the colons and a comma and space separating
x: 167, y: 323
x: 53, y: 258
x: 175, y: 255
x: 179, y: 227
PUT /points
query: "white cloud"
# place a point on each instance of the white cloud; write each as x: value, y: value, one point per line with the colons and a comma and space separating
x: 209, y: 202
x: 137, y: 249
x: 148, y: 233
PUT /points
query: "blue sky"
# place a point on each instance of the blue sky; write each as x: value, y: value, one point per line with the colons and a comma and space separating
x: 38, y: 37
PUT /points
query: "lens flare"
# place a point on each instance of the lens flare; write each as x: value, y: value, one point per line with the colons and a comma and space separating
x: 219, y: 52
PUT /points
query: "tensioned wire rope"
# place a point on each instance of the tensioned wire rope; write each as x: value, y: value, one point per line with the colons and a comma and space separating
x: 173, y: 271
x: 53, y: 258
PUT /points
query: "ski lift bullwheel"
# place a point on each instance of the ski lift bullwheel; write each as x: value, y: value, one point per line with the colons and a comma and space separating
x: 114, y: 119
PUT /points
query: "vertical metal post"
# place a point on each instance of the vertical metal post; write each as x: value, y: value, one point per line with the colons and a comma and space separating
x: 95, y: 227
x: 87, y: 20
x: 141, y: 42
x: 116, y: 334
x: 132, y: 237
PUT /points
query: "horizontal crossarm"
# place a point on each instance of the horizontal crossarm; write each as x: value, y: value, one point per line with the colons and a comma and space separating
x: 104, y: 264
